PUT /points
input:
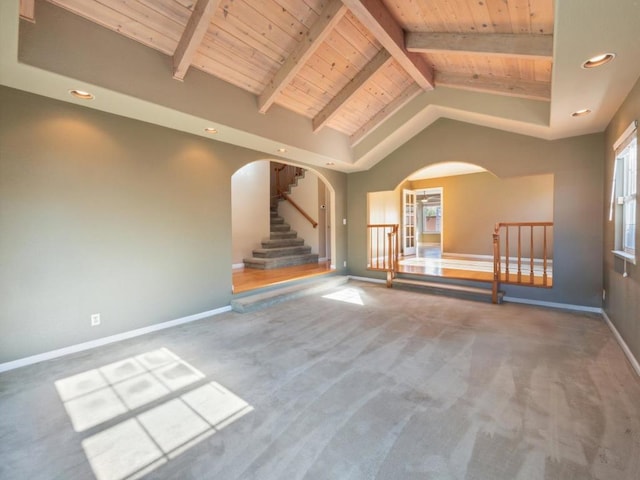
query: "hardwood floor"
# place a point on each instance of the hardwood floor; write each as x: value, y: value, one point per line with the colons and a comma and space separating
x: 432, y: 262
x: 469, y: 274
x: 245, y: 279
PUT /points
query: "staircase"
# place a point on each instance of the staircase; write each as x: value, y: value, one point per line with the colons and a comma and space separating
x: 282, y: 249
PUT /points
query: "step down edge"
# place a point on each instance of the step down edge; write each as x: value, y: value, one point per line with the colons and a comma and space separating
x: 251, y: 303
x: 462, y: 291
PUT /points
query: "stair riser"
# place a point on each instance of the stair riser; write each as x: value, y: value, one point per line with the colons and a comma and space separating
x: 281, y: 252
x: 450, y: 290
x: 280, y: 228
x: 285, y: 242
x: 251, y: 303
x: 283, y: 235
x: 271, y: 263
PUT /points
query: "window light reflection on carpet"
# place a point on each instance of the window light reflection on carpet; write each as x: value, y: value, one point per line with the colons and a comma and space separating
x: 347, y: 295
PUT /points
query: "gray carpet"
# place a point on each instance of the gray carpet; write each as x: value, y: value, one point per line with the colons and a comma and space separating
x: 375, y: 384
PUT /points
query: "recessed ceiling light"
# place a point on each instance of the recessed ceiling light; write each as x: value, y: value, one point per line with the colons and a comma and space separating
x: 282, y: 150
x: 211, y: 130
x: 599, y: 60
x: 580, y: 113
x: 81, y: 94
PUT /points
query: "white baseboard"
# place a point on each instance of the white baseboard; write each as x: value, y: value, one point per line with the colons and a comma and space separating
x: 236, y: 266
x: 41, y: 357
x: 625, y: 348
x: 563, y: 306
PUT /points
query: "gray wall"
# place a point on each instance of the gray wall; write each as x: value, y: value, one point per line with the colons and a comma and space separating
x: 622, y: 303
x: 104, y: 214
x: 576, y: 164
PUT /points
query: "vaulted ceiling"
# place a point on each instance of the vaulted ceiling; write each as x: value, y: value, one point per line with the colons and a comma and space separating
x: 373, y: 72
x: 346, y: 64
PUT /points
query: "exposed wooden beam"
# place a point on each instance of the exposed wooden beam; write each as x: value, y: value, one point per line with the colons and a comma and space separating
x: 192, y: 36
x: 508, y: 44
x: 496, y: 85
x: 27, y: 10
x: 391, y: 108
x: 329, y: 18
x: 377, y: 18
x: 378, y: 62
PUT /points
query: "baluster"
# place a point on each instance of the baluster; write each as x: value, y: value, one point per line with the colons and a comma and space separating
x: 496, y: 265
x: 384, y: 247
x: 531, y: 258
x: 544, y: 258
x: 507, y: 254
x: 519, y: 254
x: 370, y: 247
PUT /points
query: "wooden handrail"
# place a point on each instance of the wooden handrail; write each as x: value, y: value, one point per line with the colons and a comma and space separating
x: 384, y: 251
x: 282, y: 186
x: 530, y: 279
x: 299, y: 208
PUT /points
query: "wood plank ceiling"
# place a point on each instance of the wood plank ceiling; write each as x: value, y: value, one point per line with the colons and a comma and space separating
x: 344, y: 64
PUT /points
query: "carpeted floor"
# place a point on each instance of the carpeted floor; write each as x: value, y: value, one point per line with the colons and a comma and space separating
x: 365, y: 383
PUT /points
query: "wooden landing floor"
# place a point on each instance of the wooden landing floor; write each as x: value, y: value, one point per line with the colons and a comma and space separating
x: 245, y: 279
x: 466, y: 269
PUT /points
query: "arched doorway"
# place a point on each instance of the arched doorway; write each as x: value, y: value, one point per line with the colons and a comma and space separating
x: 253, y: 229
x: 446, y: 214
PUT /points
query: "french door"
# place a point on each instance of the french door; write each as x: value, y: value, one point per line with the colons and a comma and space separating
x: 409, y: 222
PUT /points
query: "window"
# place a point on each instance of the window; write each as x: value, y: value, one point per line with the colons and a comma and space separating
x: 625, y: 193
x: 432, y: 219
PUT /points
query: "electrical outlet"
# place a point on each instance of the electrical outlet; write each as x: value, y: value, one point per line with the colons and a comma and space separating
x: 604, y: 294
x: 344, y: 221
x: 345, y: 263
x: 95, y: 319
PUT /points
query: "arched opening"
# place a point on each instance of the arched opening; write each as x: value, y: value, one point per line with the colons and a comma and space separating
x: 446, y: 214
x: 285, y: 238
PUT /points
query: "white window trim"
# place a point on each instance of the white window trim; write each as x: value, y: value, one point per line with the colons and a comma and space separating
x: 622, y: 140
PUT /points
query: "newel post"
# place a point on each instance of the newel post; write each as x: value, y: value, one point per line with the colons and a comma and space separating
x: 496, y: 266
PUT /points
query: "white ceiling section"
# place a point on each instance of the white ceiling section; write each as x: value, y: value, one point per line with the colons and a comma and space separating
x: 49, y: 58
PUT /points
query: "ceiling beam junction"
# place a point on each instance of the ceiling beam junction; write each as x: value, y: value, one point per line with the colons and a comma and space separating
x: 496, y: 85
x: 27, y: 10
x: 516, y: 45
x: 329, y: 18
x: 377, y: 18
x: 381, y: 60
x: 392, y: 107
x: 192, y: 36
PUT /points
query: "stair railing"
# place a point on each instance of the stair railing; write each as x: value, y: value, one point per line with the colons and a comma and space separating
x: 537, y: 248
x: 383, y: 252
x: 285, y: 177
x: 299, y: 208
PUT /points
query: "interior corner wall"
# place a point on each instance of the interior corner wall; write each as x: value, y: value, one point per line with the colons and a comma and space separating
x: 105, y: 214
x: 383, y: 207
x: 622, y: 303
x: 249, y: 208
x: 322, y: 219
x: 576, y: 164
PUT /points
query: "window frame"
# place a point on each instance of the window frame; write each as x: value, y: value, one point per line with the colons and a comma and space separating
x: 624, y: 193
